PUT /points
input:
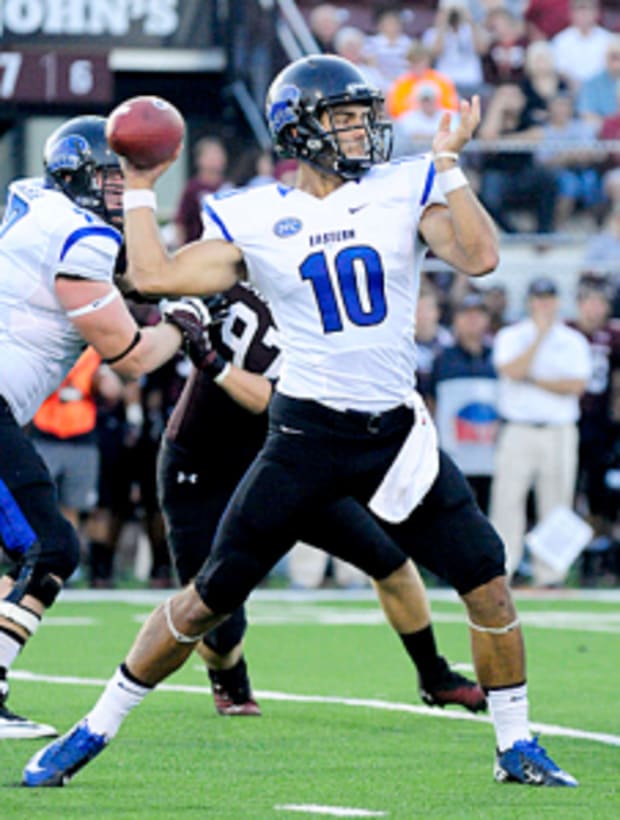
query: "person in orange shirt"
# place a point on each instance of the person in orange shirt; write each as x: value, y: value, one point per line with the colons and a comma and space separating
x: 63, y: 431
x: 67, y: 435
x: 402, y: 97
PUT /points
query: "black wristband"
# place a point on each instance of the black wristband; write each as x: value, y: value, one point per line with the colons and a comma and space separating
x: 135, y: 341
x: 213, y: 364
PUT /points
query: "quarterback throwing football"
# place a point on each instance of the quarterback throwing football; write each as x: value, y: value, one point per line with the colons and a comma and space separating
x: 338, y: 257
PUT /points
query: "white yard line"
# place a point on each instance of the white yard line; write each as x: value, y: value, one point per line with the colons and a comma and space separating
x: 427, y: 711
x: 62, y: 620
x: 150, y: 596
x: 332, y: 811
x: 268, y: 614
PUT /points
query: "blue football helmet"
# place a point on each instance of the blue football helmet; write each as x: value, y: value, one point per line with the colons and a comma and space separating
x: 299, y: 96
x: 79, y: 162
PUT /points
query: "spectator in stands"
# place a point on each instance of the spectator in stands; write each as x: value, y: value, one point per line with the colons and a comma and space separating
x: 119, y: 421
x: 610, y: 170
x: 211, y: 160
x: 512, y: 179
x: 496, y: 301
x: 350, y: 43
x: 285, y: 171
x: 597, y: 98
x: 464, y: 387
x: 456, y: 44
x: 602, y: 251
x: 597, y: 425
x: 543, y: 368
x: 541, y: 84
x: 255, y: 166
x: 579, y: 50
x: 63, y: 431
x: 401, y: 96
x: 504, y: 58
x: 431, y: 338
x: 152, y: 404
x: 568, y: 147
x: 160, y: 391
x: 481, y: 8
x: 388, y: 48
x: 325, y: 21
x: 546, y: 18
x: 414, y: 130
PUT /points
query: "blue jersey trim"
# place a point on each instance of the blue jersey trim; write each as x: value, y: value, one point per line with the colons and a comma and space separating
x: 430, y: 177
x: 90, y: 230
x: 218, y: 221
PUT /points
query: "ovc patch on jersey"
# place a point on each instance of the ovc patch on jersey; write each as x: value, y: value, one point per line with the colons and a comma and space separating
x: 288, y: 226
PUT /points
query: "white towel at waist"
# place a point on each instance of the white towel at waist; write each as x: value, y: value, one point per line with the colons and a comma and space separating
x: 412, y: 472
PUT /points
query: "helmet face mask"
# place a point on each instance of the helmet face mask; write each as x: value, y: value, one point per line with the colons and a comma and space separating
x: 307, y: 90
x: 79, y: 162
x: 338, y: 157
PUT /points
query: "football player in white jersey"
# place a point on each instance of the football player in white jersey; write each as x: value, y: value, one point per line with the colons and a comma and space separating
x: 338, y: 257
x: 58, y: 249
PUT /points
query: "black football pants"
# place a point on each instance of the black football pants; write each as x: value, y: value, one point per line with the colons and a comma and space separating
x: 319, y: 462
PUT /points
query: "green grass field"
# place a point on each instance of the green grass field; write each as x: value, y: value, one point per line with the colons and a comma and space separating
x: 343, y: 732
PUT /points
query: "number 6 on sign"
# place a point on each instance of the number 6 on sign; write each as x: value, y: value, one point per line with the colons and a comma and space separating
x: 10, y: 64
x: 355, y: 267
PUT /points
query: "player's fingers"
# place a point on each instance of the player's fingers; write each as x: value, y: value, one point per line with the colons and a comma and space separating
x: 444, y: 122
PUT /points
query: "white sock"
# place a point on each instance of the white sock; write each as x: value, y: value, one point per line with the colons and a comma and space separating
x: 509, y: 711
x: 120, y: 696
x: 9, y: 650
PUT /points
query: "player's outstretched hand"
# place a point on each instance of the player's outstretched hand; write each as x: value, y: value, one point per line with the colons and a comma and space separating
x: 447, y: 140
x: 192, y: 318
x: 145, y: 177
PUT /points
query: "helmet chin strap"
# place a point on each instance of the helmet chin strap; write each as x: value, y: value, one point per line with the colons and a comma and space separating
x: 114, y: 216
x: 337, y: 163
x: 324, y: 154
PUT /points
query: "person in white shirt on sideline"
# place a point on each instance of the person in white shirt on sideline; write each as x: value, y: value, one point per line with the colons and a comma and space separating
x: 544, y: 367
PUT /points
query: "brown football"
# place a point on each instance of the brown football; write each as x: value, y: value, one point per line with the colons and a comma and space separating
x: 146, y: 130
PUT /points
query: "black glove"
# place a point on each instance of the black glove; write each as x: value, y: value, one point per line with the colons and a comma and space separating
x: 192, y: 318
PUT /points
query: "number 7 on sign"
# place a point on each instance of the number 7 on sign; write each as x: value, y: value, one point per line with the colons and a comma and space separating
x: 10, y: 64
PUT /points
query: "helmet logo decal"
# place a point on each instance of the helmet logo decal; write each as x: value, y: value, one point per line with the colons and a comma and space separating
x: 357, y: 88
x: 282, y: 110
x: 288, y: 226
x: 69, y: 154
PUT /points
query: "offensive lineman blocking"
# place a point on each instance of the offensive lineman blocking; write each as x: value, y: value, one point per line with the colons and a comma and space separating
x: 338, y: 257
x: 59, y: 242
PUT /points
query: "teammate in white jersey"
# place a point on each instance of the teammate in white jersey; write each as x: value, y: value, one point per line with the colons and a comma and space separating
x: 338, y: 257
x: 58, y: 250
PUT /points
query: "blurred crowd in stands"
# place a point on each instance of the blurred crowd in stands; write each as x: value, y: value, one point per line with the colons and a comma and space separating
x: 548, y: 73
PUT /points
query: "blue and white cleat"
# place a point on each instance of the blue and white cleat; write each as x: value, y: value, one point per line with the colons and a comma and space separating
x: 56, y: 763
x: 527, y: 762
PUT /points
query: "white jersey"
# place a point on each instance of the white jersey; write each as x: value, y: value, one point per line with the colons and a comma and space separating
x: 43, y: 233
x: 341, y: 275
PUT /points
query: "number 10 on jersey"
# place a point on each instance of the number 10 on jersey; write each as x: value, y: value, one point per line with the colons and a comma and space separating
x: 359, y: 278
